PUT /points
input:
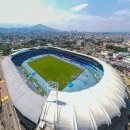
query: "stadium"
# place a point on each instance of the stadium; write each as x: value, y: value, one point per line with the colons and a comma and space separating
x: 90, y: 95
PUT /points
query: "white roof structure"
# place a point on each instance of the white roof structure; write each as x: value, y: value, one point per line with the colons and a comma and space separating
x: 15, y: 52
x: 90, y: 108
x: 84, y: 110
x: 24, y: 99
x: 127, y: 60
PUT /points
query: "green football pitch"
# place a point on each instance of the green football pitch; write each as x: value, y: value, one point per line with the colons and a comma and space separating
x: 54, y: 69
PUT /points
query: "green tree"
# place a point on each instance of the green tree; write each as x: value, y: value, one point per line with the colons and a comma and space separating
x: 6, y: 50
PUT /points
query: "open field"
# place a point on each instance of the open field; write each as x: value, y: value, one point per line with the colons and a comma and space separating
x: 53, y: 69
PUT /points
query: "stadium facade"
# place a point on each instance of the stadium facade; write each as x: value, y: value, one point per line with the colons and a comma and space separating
x: 103, y: 106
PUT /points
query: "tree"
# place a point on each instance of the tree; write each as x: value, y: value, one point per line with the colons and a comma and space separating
x: 6, y: 50
x: 117, y: 49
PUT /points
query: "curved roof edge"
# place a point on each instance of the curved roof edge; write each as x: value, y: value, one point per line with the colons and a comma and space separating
x: 102, y: 101
x: 23, y: 98
x: 89, y: 108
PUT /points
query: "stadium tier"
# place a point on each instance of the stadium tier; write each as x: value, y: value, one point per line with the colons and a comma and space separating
x: 97, y: 98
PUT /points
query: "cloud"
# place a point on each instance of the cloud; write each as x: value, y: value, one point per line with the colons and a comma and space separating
x: 124, y: 12
x: 90, y: 23
x: 124, y: 0
x: 31, y: 12
x: 79, y: 7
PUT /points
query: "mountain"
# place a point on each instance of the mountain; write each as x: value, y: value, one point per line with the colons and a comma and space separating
x: 41, y: 27
x: 26, y: 28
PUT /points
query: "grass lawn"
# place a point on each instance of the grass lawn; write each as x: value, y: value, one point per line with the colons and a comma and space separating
x: 53, y: 69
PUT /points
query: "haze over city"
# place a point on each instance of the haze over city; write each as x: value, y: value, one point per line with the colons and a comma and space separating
x: 81, y: 15
x: 64, y: 64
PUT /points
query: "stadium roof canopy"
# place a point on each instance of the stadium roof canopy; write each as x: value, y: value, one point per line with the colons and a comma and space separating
x: 90, y: 108
x: 87, y: 109
x: 24, y: 99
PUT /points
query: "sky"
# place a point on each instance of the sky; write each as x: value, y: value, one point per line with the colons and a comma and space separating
x: 81, y: 15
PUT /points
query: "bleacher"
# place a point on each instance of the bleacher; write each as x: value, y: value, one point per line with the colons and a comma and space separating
x: 94, y: 66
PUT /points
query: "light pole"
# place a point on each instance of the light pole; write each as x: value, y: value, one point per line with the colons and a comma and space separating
x: 54, y: 85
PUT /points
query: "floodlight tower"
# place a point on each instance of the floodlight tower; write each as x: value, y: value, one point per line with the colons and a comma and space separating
x: 54, y: 85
